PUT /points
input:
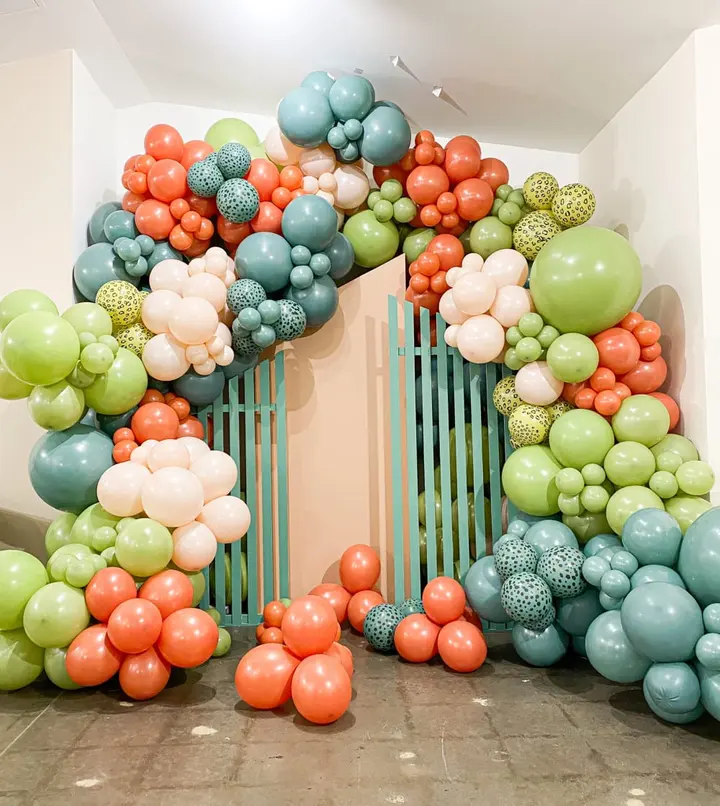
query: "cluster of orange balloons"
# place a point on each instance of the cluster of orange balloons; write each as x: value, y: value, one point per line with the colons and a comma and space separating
x: 140, y: 634
x: 159, y: 417
x: 427, y: 273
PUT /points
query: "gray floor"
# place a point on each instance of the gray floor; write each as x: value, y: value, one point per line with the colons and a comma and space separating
x: 507, y: 734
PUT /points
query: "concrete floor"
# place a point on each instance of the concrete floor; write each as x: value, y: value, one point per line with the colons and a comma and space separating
x: 508, y: 734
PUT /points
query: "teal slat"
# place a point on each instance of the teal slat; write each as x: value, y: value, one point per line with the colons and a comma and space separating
x: 218, y: 424
x: 446, y: 496
x: 461, y: 460
x: 396, y: 452
x: 282, y: 476
x: 236, y: 608
x: 476, y: 373
x: 428, y: 453
x: 205, y: 601
x: 411, y: 422
x: 251, y: 500
x: 494, y: 437
x: 266, y: 471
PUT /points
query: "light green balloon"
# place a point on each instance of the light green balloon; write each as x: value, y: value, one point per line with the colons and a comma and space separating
x: 641, y: 418
x: 88, y: 521
x: 121, y: 387
x: 489, y: 235
x: 231, y: 130
x: 528, y: 477
x: 21, y: 661
x: 56, y: 407
x: 663, y: 484
x: 375, y: 242
x: 627, y: 500
x: 223, y: 644
x: 55, y: 669
x: 629, y: 463
x: 214, y: 614
x: 88, y: 317
x: 686, y: 509
x: 59, y: 562
x: 96, y: 358
x: 55, y: 615
x: 695, y: 478
x: 674, y: 443
x: 24, y: 300
x: 572, y: 358
x: 668, y: 461
x: 587, y: 525
x: 144, y: 547
x: 581, y: 437
x: 10, y: 387
x: 59, y: 532
x: 416, y: 243
x: 197, y: 578
x: 21, y: 576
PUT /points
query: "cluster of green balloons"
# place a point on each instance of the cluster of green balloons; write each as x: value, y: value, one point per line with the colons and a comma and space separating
x: 529, y: 341
x: 389, y: 204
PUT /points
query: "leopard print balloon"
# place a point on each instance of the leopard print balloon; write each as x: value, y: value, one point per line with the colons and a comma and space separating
x: 557, y: 409
x: 245, y: 293
x: 292, y: 321
x: 134, y: 338
x: 243, y: 343
x: 233, y: 160
x: 573, y: 205
x: 505, y: 398
x: 533, y: 231
x: 380, y: 625
x: 529, y: 425
x: 527, y: 599
x: 539, y: 190
x: 561, y: 568
x: 515, y: 557
x: 238, y: 200
x: 411, y: 606
x: 122, y: 301
x: 204, y: 178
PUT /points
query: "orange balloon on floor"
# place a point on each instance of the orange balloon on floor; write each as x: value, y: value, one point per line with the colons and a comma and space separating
x: 443, y: 600
x: 416, y: 638
x: 109, y: 588
x: 360, y: 605
x: 309, y: 626
x: 188, y: 637
x: 321, y: 689
x: 344, y: 655
x: 155, y: 421
x: 91, y: 658
x: 134, y: 626
x: 264, y: 675
x: 144, y: 675
x: 462, y: 646
x: 359, y: 568
x: 169, y: 591
x: 336, y: 596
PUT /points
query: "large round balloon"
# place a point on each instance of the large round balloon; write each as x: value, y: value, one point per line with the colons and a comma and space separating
x: 231, y: 130
x: 21, y: 661
x: 309, y: 221
x: 575, y: 614
x: 699, y: 560
x: 374, y: 242
x: 586, y: 279
x: 581, y: 437
x: 386, y: 135
x: 611, y: 652
x: 39, y: 348
x: 548, y: 534
x: 528, y: 477
x: 627, y: 500
x: 55, y: 614
x: 121, y: 387
x: 24, y: 300
x: 653, y: 536
x: 341, y: 254
x: 319, y: 302
x: 265, y: 258
x: 200, y: 390
x: 540, y: 648
x: 482, y: 585
x: 305, y: 117
x: 21, y: 575
x: 489, y: 235
x: 98, y: 265
x: 641, y: 418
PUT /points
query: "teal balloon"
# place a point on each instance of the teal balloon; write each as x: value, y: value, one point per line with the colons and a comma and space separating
x: 611, y: 652
x: 386, y: 135
x: 615, y: 584
x: 575, y: 614
x: 699, y: 559
x: 109, y: 423
x: 309, y: 221
x: 21, y: 661
x: 711, y: 618
x: 528, y: 478
x: 578, y: 645
x: 21, y: 576
x: 482, y: 587
x: 625, y: 562
x: 540, y: 648
x: 265, y: 258
x: 120, y: 224
x: 305, y: 117
x: 411, y: 607
x: 598, y: 543
x: 710, y: 690
x: 65, y: 466
x: 351, y: 97
x: 319, y: 301
x: 96, y: 225
x: 263, y: 336
x: 379, y: 626
x: 581, y: 437
x: 656, y: 573
x: 55, y: 615
x: 237, y: 200
x: 56, y: 670
x: 319, y: 81
x: 489, y: 235
x: 527, y: 599
x: 200, y: 390
x: 653, y: 536
x: 548, y: 534
x: 594, y: 569
x: 609, y: 602
x: 672, y: 691
x: 663, y: 622
x: 121, y: 387
x: 416, y: 243
x: 239, y: 366
x: 97, y: 265
x: 342, y: 256
x: 707, y: 651
x: 162, y: 251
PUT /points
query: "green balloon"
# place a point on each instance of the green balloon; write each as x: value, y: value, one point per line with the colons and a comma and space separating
x: 231, y: 130
x: 10, y: 387
x: 197, y: 578
x: 528, y: 477
x: 629, y: 463
x: 572, y: 358
x: 587, y: 525
x: 39, y: 348
x: 24, y: 300
x: 416, y: 243
x: 214, y: 614
x: 375, y: 242
x: 695, y: 478
x: 88, y: 317
x: 59, y: 562
x: 144, y: 547
x: 641, y: 418
x: 663, y: 484
x: 626, y: 501
x: 58, y: 534
x: 674, y: 443
x: 121, y: 387
x: 55, y: 669
x: 686, y: 509
x: 21, y: 661
x: 88, y: 522
x: 96, y: 358
x: 56, y: 407
x: 404, y: 210
x: 488, y: 235
x: 55, y: 615
x: 585, y: 280
x: 581, y: 437
x: 422, y: 506
x: 223, y: 644
x: 21, y: 576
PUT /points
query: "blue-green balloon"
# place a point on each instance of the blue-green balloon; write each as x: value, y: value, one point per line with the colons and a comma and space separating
x: 578, y: 645
x: 699, y: 561
x: 598, y: 543
x: 576, y: 613
x: 309, y: 221
x: 710, y: 690
x: 610, y: 651
x: 265, y: 258
x: 653, y: 536
x: 351, y: 97
x: 120, y: 224
x: 482, y: 587
x: 109, y: 423
x: 546, y: 534
x: 672, y: 690
x: 65, y: 466
x: 319, y: 302
x: 305, y: 117
x: 707, y: 651
x: 410, y: 607
x: 96, y: 225
x: 386, y: 135
x: 342, y: 256
x: 162, y: 251
x: 239, y: 366
x: 319, y: 81
x: 97, y: 265
x: 594, y: 569
x: 380, y: 625
x: 656, y: 573
x: 711, y: 618
x: 200, y: 390
x: 540, y: 648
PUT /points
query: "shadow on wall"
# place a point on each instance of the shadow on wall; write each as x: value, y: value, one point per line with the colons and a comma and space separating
x: 26, y: 532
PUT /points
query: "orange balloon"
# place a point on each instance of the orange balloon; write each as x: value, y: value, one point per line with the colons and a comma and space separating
x: 462, y: 646
x: 281, y: 197
x: 428, y: 299
x: 602, y: 379
x: 190, y: 221
x: 336, y: 596
x: 259, y: 630
x: 622, y: 391
x: 168, y: 397
x: 125, y: 177
x: 271, y: 635
x: 309, y: 626
x: 428, y: 263
x: 144, y: 163
x: 338, y: 633
x: 191, y: 427
x: 457, y: 230
x: 151, y: 396
x: 178, y: 208
x: 154, y: 218
x: 443, y: 600
x: 360, y: 605
x: 419, y: 283
x: 381, y: 173
x: 268, y: 218
x: 164, y: 142
x: 206, y: 207
x: 647, y: 332
x: 413, y: 268
x: 416, y: 638
x: 426, y: 182
x: 181, y: 407
x: 439, y: 154
x: 424, y: 136
x: 169, y: 591
x: 607, y: 403
x: 670, y: 405
x: 122, y: 434
x: 449, y: 221
x: 321, y: 689
x: 91, y: 658
x: 494, y: 172
x: 475, y: 198
x: 264, y: 177
x: 430, y: 216
x: 407, y: 163
x: 131, y: 162
x: 359, y: 568
x: 344, y: 655
x: 425, y: 153
x: 206, y: 231
x: 571, y: 389
x: 646, y: 376
x: 109, y: 588
x: 470, y: 615
x: 462, y: 158
x: 233, y: 233
x: 449, y: 249
x: 273, y: 613
x: 194, y: 151
x: 131, y: 201
x: 438, y: 283
x: 155, y: 421
x: 145, y: 675
x: 188, y: 637
x: 197, y: 247
x: 180, y: 239
x: 122, y: 451
x: 134, y: 626
x: 585, y: 398
x: 299, y: 192
x: 447, y: 202
x: 618, y: 349
x: 263, y: 677
x: 651, y: 352
x: 291, y: 177
x: 631, y: 321
x: 137, y: 182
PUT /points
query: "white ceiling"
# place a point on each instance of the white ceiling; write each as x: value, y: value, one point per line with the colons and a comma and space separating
x: 541, y: 73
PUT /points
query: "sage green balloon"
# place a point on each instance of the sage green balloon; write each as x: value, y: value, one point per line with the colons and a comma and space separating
x: 39, y: 348
x: 231, y: 130
x: 197, y: 578
x: 144, y: 547
x: 24, y: 300
x: 55, y: 669
x: 629, y: 463
x: 223, y: 644
x: 10, y: 387
x: 488, y: 235
x: 416, y: 243
x: 627, y: 500
x: 572, y: 358
x: 641, y: 418
x: 89, y: 521
x: 56, y: 407
x: 58, y: 534
x: 21, y: 661
x: 121, y: 387
x: 375, y: 242
x: 422, y: 509
x: 686, y: 509
x: 21, y: 575
x: 55, y: 615
x: 674, y: 443
x: 581, y: 437
x: 528, y: 477
x: 214, y: 615
x: 88, y: 317
x: 695, y: 477
x: 587, y: 525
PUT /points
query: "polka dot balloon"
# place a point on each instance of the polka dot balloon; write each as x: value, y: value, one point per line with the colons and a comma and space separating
x: 561, y: 568
x: 515, y: 557
x: 238, y: 201
x: 527, y: 599
x: 380, y: 624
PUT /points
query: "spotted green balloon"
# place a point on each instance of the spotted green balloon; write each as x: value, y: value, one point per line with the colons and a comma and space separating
x: 539, y: 190
x: 292, y: 321
x: 532, y: 232
x: 238, y: 200
x: 529, y: 425
x: 573, y: 205
x: 122, y: 301
x: 411, y: 606
x: 245, y: 293
x: 527, y: 599
x: 134, y: 338
x: 561, y: 568
x: 380, y: 625
x: 505, y: 398
x: 233, y: 160
x: 515, y: 557
x: 205, y: 178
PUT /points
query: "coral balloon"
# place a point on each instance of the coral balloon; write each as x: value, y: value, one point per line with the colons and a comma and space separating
x: 344, y: 655
x: 169, y: 591
x: 268, y: 218
x: 167, y: 180
x: 164, y: 142
x: 336, y: 596
x: 263, y: 677
x: 271, y: 635
x: 265, y: 178
x: 416, y: 638
x: 91, y: 658
x: 494, y: 172
x: 670, y: 405
x: 618, y: 349
x: 646, y: 377
x: 134, y: 626
x: 462, y: 158
x: 273, y: 613
x: 426, y: 182
x: 360, y: 605
x: 194, y: 151
x: 309, y: 626
x: 475, y: 198
x: 449, y: 250
x: 154, y: 421
x: 462, y: 646
x: 191, y: 427
x: 321, y: 689
x: 154, y: 218
x: 109, y: 588
x: 188, y: 637
x: 443, y: 600
x: 145, y: 675
x: 359, y: 568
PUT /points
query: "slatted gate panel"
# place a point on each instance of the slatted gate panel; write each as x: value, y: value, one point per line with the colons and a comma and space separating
x: 435, y: 395
x: 249, y: 422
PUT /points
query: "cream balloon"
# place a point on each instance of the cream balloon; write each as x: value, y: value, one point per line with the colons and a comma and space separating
x: 216, y: 262
x: 230, y: 277
x: 511, y: 303
x: 197, y: 353
x: 217, y: 473
x: 310, y: 184
x: 169, y: 275
x: 164, y: 358
x: 227, y: 517
x: 352, y: 188
x: 195, y: 447
x: 214, y: 346
x: 470, y: 263
x: 157, y: 308
x: 223, y: 333
x: 317, y: 161
x: 474, y: 293
x: 535, y: 384
x: 141, y: 454
x: 168, y: 453
x: 480, y: 339
x: 226, y: 357
x: 172, y: 496
x: 450, y: 311
x: 506, y: 267
x: 451, y: 335
x: 207, y: 286
x: 279, y: 149
x: 205, y: 367
x: 193, y: 321
x: 329, y: 198
x: 327, y: 182
x: 194, y: 546
x: 119, y: 490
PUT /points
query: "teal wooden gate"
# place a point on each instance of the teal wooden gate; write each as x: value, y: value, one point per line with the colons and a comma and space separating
x: 249, y: 421
x: 448, y: 446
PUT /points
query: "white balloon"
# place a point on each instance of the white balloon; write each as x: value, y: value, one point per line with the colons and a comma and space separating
x: 317, y: 161
x: 506, y: 267
x: 472, y: 262
x: 164, y: 358
x: 157, y: 308
x: 196, y: 447
x: 450, y: 311
x: 279, y: 149
x: 172, y: 496
x: 216, y: 264
x: 535, y: 384
x: 169, y: 275
x: 227, y: 517
x: 168, y: 453
x: 310, y: 184
x: 196, y: 266
x: 451, y: 335
x: 214, y: 346
x: 511, y: 303
x: 193, y: 321
x: 223, y: 333
x: 194, y: 546
x: 119, y: 490
x: 217, y: 473
x: 230, y: 277
x: 474, y: 293
x: 329, y: 198
x: 480, y: 339
x: 208, y: 287
x: 353, y: 186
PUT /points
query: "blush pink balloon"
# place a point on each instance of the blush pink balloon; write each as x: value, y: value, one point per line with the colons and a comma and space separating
x: 173, y: 496
x: 141, y: 454
x: 164, y: 357
x: 226, y: 357
x: 168, y: 453
x: 279, y: 149
x: 193, y: 320
x: 206, y: 367
x: 449, y: 310
x: 223, y: 333
x: 157, y: 308
x: 194, y: 546
x: 470, y: 263
x: 511, y: 303
x: 227, y: 517
x: 169, y: 275
x: 480, y: 339
x: 217, y: 473
x: 208, y: 287
x: 196, y: 447
x: 535, y: 384
x: 451, y: 335
x: 506, y: 267
x: 473, y: 293
x: 119, y: 490
x: 317, y: 161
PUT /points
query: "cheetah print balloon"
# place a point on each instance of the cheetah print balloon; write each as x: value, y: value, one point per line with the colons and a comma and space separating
x: 561, y: 568
x: 505, y: 398
x: 292, y: 321
x: 204, y: 178
x: 380, y: 625
x: 557, y: 409
x: 134, y: 338
x: 238, y: 200
x: 122, y: 301
x: 533, y: 231
x: 529, y: 425
x: 243, y: 343
x: 245, y: 294
x: 539, y: 190
x: 233, y: 160
x: 527, y: 599
x: 573, y: 205
x: 515, y: 557
x: 411, y: 606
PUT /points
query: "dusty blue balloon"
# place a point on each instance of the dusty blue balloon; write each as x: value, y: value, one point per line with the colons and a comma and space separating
x: 200, y: 390
x: 342, y: 256
x: 162, y: 251
x: 310, y: 221
x: 656, y: 573
x: 319, y: 81
x: 546, y: 534
x: 263, y: 336
x: 410, y: 607
x: 615, y: 584
x: 540, y: 648
x: 65, y: 466
x: 609, y: 602
x: 625, y: 562
x: 265, y: 258
x: 653, y: 536
x: 96, y: 225
x: 518, y: 527
x: 699, y: 562
x: 663, y: 622
x: 711, y: 618
x: 120, y: 224
x: 109, y: 423
x: 240, y: 365
x: 351, y: 97
x: 97, y: 265
x: 598, y: 543
x: 707, y: 651
x: 386, y: 135
x: 594, y: 569
x: 710, y: 690
x: 576, y: 613
x: 672, y: 690
x: 482, y: 587
x: 319, y: 302
x: 578, y: 645
x: 305, y: 117
x: 610, y: 651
